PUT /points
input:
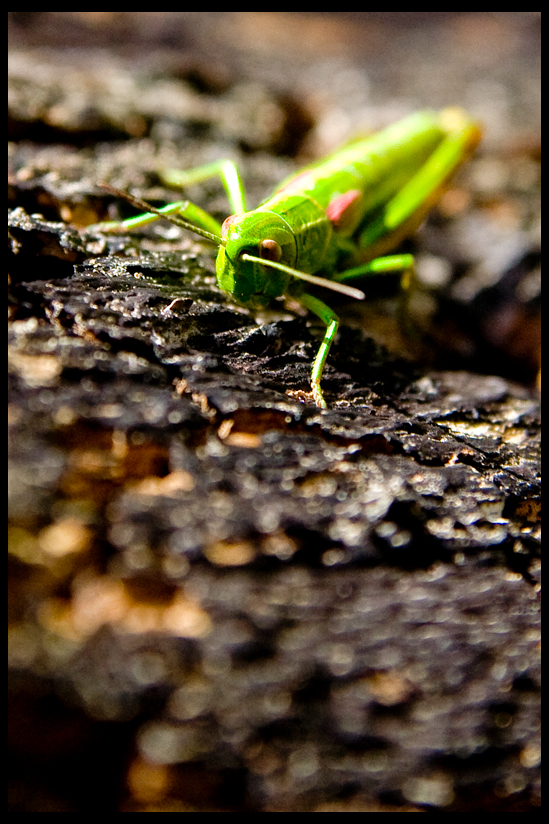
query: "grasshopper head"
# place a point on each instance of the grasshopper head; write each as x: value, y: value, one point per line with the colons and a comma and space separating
x: 264, y: 235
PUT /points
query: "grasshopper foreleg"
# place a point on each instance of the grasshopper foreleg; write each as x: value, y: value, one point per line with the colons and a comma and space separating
x: 182, y: 208
x: 230, y: 178
x: 329, y: 317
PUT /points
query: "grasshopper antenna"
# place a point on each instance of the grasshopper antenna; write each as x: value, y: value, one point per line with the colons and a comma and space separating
x: 350, y: 291
x: 177, y: 221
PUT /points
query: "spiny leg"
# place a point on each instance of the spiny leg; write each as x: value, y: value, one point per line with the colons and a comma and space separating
x: 329, y: 317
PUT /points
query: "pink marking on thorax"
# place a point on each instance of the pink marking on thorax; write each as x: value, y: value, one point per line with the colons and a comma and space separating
x: 303, y: 180
x: 226, y: 224
x: 342, y: 208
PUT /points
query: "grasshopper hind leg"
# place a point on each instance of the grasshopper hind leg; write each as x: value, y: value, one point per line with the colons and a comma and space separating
x: 403, y: 213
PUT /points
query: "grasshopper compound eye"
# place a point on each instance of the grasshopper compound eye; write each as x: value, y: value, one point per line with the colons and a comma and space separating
x: 270, y: 250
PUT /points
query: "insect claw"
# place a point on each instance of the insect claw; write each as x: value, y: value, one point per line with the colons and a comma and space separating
x: 318, y: 397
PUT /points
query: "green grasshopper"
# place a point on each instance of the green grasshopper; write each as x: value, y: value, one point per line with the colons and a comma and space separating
x: 333, y: 221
